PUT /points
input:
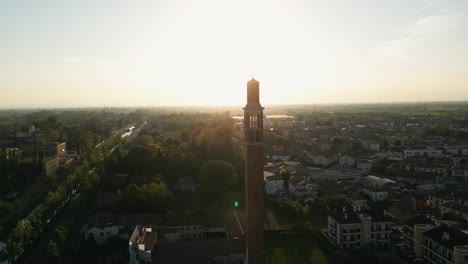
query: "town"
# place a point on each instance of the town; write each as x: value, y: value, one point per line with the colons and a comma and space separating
x: 343, y: 184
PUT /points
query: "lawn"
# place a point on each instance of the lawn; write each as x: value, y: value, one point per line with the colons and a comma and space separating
x: 277, y: 220
x: 294, y: 250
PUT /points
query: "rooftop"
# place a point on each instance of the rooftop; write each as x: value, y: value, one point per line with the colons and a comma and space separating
x: 456, y: 237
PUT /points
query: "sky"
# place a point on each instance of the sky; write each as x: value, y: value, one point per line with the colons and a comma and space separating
x: 202, y: 52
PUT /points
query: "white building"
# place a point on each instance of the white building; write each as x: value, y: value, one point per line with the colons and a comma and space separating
x: 429, y: 152
x: 274, y: 184
x: 460, y: 173
x: 376, y: 194
x: 296, y: 184
x: 102, y: 233
x: 141, y: 244
x: 349, y: 229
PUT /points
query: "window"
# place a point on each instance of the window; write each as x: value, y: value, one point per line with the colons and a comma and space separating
x: 253, y: 121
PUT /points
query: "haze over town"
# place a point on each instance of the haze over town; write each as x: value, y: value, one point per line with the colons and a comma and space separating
x: 151, y: 53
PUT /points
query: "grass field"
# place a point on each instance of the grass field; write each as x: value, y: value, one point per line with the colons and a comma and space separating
x: 276, y: 220
x: 279, y: 250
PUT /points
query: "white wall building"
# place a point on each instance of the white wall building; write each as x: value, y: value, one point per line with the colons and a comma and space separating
x: 141, y: 244
x: 102, y: 233
x: 430, y: 153
x: 274, y: 184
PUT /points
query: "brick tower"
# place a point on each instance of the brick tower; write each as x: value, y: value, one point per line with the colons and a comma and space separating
x: 254, y: 186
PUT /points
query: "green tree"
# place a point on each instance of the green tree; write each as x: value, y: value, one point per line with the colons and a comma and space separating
x: 53, y: 250
x: 217, y: 177
x: 418, y: 261
x: 284, y: 174
x: 143, y: 140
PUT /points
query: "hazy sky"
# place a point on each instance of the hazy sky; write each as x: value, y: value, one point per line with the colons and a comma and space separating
x: 194, y: 52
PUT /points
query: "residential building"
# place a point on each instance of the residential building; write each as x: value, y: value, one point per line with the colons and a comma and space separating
x: 296, y: 184
x: 365, y: 165
x: 455, y: 209
x: 274, y: 184
x: 428, y: 152
x: 352, y: 229
x: 141, y: 244
x: 378, y: 182
x: 419, y: 223
x: 441, y: 169
x: 355, y: 200
x: 346, y: 160
x: 322, y: 160
x: 56, y: 148
x: 101, y: 233
x: 444, y: 244
x: 376, y: 194
x: 460, y: 173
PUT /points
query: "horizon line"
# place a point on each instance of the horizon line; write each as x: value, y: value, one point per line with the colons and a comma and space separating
x: 223, y: 106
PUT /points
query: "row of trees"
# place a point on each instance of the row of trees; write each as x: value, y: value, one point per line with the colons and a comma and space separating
x: 76, y: 188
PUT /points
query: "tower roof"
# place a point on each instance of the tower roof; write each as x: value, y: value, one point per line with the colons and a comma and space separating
x: 252, y: 81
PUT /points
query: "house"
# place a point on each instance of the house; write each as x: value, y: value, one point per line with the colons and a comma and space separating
x: 441, y: 169
x: 418, y: 201
x: 445, y: 244
x: 412, y: 229
x: 346, y: 160
x: 365, y: 165
x: 378, y: 182
x: 428, y: 152
x: 322, y: 160
x: 353, y: 229
x: 460, y: 173
x: 455, y: 209
x: 355, y: 200
x: 56, y: 148
x: 436, y: 200
x: 186, y: 185
x: 102, y: 226
x: 296, y: 184
x: 371, y: 146
x: 274, y: 184
x: 376, y: 194
x: 417, y: 177
x: 141, y: 244
x: 184, y: 230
